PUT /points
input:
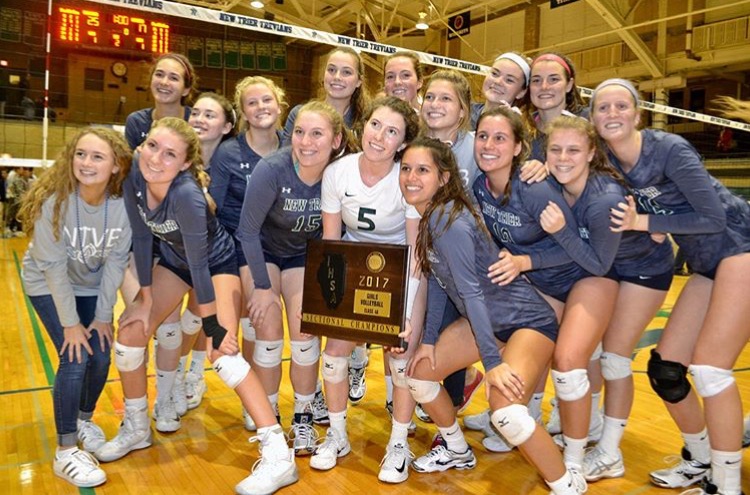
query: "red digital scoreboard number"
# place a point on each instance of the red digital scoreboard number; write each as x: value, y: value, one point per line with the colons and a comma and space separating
x: 87, y: 27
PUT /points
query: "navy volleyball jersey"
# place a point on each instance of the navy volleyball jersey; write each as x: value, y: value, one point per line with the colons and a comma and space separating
x: 459, y: 259
x: 670, y: 182
x: 515, y: 227
x: 190, y: 237
x: 280, y: 213
x: 231, y: 167
x: 589, y: 241
x: 138, y: 124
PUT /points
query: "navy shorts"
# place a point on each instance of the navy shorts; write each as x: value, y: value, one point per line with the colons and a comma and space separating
x: 549, y: 331
x: 662, y: 281
x: 286, y: 262
x: 228, y: 267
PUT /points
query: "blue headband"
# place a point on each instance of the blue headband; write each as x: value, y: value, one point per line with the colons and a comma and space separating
x: 617, y: 82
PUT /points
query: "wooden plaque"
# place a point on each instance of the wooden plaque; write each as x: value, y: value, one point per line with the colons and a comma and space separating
x: 355, y: 291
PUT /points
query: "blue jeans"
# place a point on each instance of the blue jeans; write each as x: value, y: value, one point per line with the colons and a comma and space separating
x: 77, y: 385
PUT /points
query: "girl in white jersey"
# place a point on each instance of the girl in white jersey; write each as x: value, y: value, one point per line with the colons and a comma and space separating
x: 80, y: 236
x: 362, y: 191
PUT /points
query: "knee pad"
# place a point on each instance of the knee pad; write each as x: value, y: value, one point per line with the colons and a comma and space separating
x: 169, y: 336
x: 571, y: 385
x: 398, y: 372
x: 231, y: 369
x: 267, y: 353
x: 128, y: 358
x: 305, y: 352
x: 335, y: 368
x: 709, y: 380
x: 615, y: 367
x: 423, y: 391
x: 190, y: 323
x: 515, y: 423
x: 668, y: 378
x: 597, y: 352
x: 248, y: 330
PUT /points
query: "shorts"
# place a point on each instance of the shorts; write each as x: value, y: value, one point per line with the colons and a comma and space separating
x: 228, y: 267
x: 549, y: 331
x: 286, y: 262
x: 662, y: 281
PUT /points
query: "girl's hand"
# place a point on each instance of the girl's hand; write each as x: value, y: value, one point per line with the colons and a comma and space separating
x: 507, y: 381
x: 260, y: 301
x: 552, y: 219
x: 106, y: 335
x: 139, y: 311
x: 76, y: 337
x: 626, y: 217
x: 404, y: 336
x: 533, y: 171
x: 506, y: 269
x: 229, y: 344
x: 424, y: 351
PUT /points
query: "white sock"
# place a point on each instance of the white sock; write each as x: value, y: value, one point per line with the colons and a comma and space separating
x: 535, y: 406
x: 575, y: 449
x: 197, y: 365
x: 561, y: 485
x: 454, y: 437
x: 614, y: 429
x: 318, y: 386
x: 141, y: 403
x: 164, y: 383
x: 725, y: 471
x: 697, y: 444
x: 181, y: 365
x: 274, y: 442
x: 388, y: 388
x: 595, y: 403
x: 301, y: 401
x: 64, y: 451
x: 338, y: 422
x: 274, y: 400
x: 399, y: 433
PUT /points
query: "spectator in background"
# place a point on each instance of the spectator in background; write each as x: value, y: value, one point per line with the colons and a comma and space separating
x: 724, y: 144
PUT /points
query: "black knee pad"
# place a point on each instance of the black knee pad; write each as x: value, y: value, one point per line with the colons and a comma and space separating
x: 668, y: 378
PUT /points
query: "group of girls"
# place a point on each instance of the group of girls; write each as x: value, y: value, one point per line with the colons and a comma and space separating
x: 590, y: 244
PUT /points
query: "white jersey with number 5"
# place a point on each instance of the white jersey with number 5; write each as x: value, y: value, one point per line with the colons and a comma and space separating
x: 371, y: 214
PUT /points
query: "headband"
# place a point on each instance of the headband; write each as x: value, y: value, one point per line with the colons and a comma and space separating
x: 617, y: 82
x: 551, y: 57
x: 519, y: 61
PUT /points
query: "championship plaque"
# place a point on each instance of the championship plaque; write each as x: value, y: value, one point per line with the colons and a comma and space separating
x: 355, y: 291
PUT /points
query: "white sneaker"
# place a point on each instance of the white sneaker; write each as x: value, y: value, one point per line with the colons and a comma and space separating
x: 394, y: 468
x: 480, y: 422
x: 746, y: 434
x: 195, y: 387
x: 597, y: 465
x: 179, y: 394
x: 274, y: 470
x: 357, y: 384
x: 79, y: 468
x: 134, y: 434
x: 705, y: 488
x: 684, y: 472
x: 553, y: 425
x: 441, y: 458
x: 303, y: 434
x: 496, y: 443
x: 329, y: 451
x: 422, y: 414
x: 577, y: 484
x: 320, y: 409
x: 248, y: 420
x: 90, y: 435
x: 167, y: 419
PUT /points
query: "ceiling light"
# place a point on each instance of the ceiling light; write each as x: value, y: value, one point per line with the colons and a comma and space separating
x: 257, y: 4
x: 422, y: 22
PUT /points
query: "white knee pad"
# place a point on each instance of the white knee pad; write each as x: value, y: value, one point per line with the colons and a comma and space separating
x: 615, y: 367
x: 248, y: 330
x: 423, y: 391
x: 305, y: 352
x: 515, y: 423
x: 710, y: 380
x: 571, y: 385
x: 128, y: 358
x: 190, y: 323
x: 169, y: 335
x: 267, y: 353
x: 597, y: 352
x: 231, y: 369
x: 398, y: 372
x: 335, y: 368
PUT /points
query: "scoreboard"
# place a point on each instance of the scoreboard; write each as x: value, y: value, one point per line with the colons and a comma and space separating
x: 93, y: 28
